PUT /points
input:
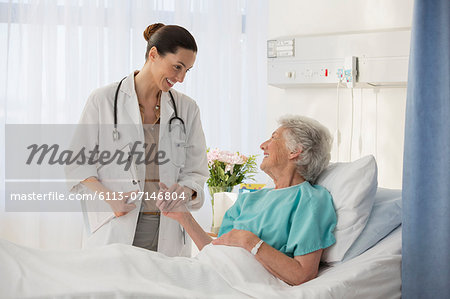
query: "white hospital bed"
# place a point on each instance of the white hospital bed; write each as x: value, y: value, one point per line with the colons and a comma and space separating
x: 121, y: 271
x: 124, y: 271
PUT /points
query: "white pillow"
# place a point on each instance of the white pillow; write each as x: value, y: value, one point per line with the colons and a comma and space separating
x: 353, y: 186
x: 386, y: 216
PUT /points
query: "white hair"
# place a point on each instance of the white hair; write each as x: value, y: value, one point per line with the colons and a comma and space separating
x: 314, y: 141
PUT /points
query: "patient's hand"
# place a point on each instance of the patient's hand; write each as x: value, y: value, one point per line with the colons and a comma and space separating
x: 238, y: 238
x: 172, y: 201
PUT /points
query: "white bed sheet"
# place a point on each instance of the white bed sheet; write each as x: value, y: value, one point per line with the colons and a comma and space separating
x: 121, y: 271
x: 374, y: 274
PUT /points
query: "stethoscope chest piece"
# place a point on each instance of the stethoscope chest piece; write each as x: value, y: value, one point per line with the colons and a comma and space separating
x: 115, y: 134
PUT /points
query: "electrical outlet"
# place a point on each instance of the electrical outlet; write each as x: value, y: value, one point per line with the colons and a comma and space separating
x: 340, y: 73
x: 350, y: 71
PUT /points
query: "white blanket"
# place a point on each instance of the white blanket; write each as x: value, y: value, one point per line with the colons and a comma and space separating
x: 121, y: 271
x: 125, y: 271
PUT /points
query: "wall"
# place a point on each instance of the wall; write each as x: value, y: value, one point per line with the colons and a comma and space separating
x: 378, y: 114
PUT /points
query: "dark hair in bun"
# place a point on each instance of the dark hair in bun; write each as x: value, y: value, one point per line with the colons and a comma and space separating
x: 148, y: 32
x: 168, y: 38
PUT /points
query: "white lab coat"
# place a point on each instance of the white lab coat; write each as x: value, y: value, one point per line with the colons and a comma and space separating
x: 187, y: 165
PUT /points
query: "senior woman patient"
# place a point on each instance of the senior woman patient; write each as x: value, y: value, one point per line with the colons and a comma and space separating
x: 287, y: 227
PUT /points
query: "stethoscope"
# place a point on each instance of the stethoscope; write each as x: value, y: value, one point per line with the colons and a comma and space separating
x: 116, y: 134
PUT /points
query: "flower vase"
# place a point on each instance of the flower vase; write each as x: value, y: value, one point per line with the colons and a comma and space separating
x: 213, y: 190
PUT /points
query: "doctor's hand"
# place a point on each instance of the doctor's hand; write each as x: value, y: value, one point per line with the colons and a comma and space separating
x: 172, y: 201
x: 238, y: 238
x: 118, y: 202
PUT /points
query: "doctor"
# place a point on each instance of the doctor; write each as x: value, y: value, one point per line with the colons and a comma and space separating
x: 143, y: 112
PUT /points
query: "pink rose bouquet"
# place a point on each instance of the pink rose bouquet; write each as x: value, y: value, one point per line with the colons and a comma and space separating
x: 227, y: 169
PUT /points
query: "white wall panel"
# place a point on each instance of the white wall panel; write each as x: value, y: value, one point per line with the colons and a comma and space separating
x: 378, y: 114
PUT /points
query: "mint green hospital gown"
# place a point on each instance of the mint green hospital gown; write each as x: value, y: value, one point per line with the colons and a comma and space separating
x: 295, y: 220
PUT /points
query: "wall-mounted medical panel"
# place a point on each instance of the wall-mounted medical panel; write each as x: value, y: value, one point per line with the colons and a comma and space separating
x: 322, y: 60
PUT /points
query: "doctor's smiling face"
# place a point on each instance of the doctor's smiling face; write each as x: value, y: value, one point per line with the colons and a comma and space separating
x: 170, y: 68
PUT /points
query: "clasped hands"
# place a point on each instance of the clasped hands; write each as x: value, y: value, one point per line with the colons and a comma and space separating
x: 173, y: 200
x: 169, y: 200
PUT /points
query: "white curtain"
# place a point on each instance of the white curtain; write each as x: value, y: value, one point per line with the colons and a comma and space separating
x: 54, y: 53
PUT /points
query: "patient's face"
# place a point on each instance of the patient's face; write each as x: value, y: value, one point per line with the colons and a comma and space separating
x: 275, y: 152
